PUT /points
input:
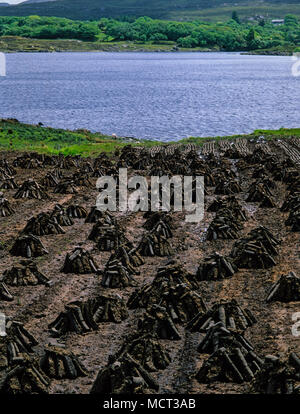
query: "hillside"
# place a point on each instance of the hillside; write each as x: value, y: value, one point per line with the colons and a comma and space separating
x: 164, y: 9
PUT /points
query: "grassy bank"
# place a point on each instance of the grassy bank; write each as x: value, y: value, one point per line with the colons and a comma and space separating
x: 274, y: 51
x: 16, y: 136
x: 10, y: 44
x: 13, y: 44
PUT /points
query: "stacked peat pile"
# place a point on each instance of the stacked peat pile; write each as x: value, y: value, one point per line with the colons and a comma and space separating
x: 8, y: 183
x: 217, y: 204
x: 260, y: 192
x: 153, y: 244
x: 107, y: 237
x: 278, y: 169
x: 25, y: 273
x: 217, y: 336
x: 259, y: 171
x: 66, y: 186
x: 116, y: 275
x: 7, y: 168
x: 3, y: 174
x: 236, y: 151
x: 76, y: 211
x: 286, y: 289
x: 32, y: 164
x: 121, y: 266
x: 157, y: 321
x: 5, y: 294
x: 57, y: 173
x: 232, y: 357
x: 231, y: 203
x: 28, y: 246
x: 287, y: 173
x: 49, y: 160
x: 159, y: 168
x: 101, y: 229
x: 256, y: 250
x: 229, y: 365
x: 102, y: 161
x: 95, y: 215
x: 81, y: 179
x: 99, y: 172
x: 59, y: 363
x: 267, y: 182
x: 82, y: 317
x: 292, y: 205
x: 130, y: 155
x: 42, y: 225
x: 124, y: 376
x: 61, y: 217
x: 216, y: 267
x: 67, y: 162
x: 31, y: 189
x: 171, y: 289
x: 142, y: 164
x: 50, y: 180
x: 228, y: 187
x: 87, y: 167
x: 242, y: 165
x: 168, y: 276
x: 183, y: 304
x: 278, y: 376
x: 162, y: 229
x: 292, y: 202
x: 273, y: 165
x: 6, y: 209
x: 16, y: 345
x: 292, y: 174
x: 294, y: 220
x: 154, y: 217
x: 25, y: 377
x: 230, y: 314
x: 294, y: 186
x: 224, y: 226
x: 128, y: 255
x: 258, y: 156
x: 146, y: 350
x: 79, y: 261
x: 221, y: 175
x: 21, y: 160
x: 199, y: 168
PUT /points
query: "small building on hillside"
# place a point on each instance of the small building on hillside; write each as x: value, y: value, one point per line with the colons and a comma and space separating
x: 278, y: 22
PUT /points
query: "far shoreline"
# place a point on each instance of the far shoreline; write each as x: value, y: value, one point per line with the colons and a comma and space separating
x: 13, y: 44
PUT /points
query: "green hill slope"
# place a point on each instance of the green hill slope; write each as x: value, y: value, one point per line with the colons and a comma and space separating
x: 164, y: 9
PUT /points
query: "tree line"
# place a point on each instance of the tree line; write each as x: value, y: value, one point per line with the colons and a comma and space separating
x: 229, y: 36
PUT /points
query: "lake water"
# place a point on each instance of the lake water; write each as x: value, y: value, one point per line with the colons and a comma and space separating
x: 164, y: 96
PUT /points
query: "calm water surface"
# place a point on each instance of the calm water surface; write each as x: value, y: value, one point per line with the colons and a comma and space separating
x: 165, y: 96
